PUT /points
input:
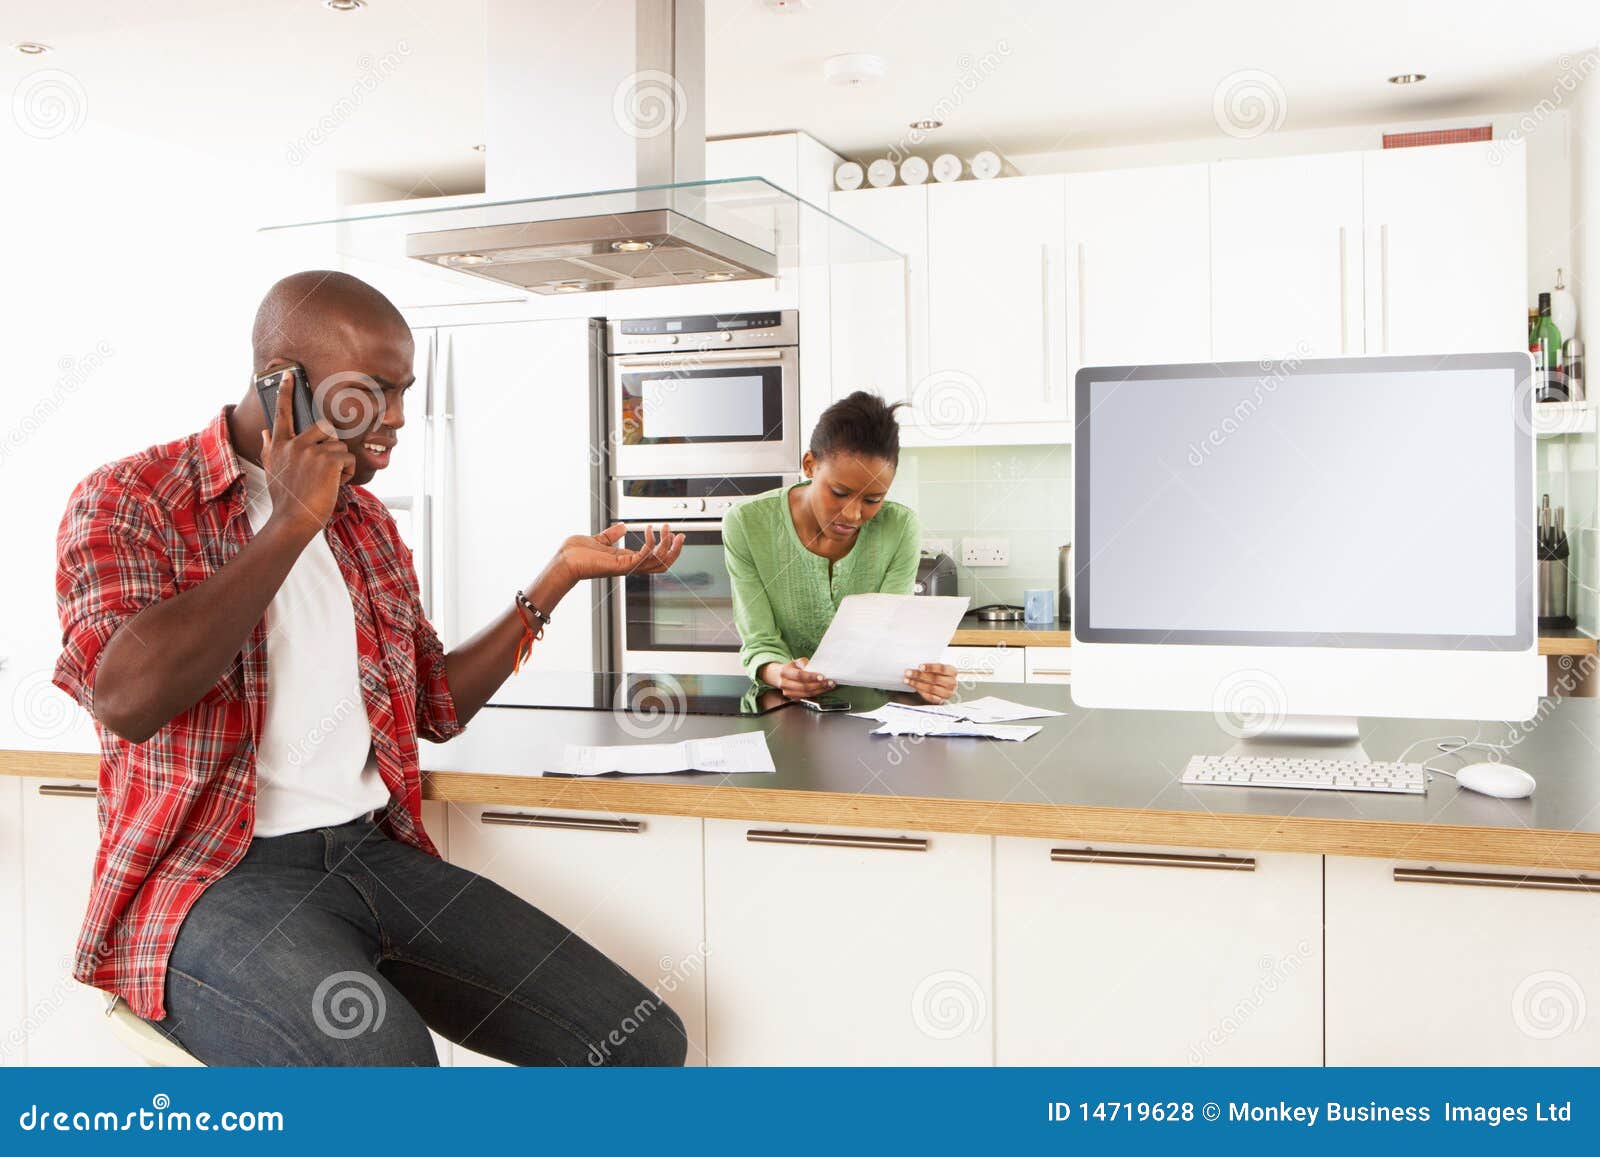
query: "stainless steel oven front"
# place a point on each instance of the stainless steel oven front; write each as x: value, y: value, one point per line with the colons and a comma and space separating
x: 704, y: 394
x: 680, y: 621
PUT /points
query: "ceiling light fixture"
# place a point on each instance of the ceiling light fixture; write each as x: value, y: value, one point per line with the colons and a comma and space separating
x: 854, y: 68
x: 468, y: 259
x: 927, y: 126
x: 570, y: 286
x: 31, y: 48
x: 719, y: 277
x: 480, y: 148
x: 344, y: 5
x: 633, y: 246
x: 1408, y: 78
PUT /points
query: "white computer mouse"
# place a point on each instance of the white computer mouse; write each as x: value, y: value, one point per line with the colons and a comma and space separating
x: 1500, y: 780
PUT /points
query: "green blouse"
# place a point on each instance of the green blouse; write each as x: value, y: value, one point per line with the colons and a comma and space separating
x: 784, y: 596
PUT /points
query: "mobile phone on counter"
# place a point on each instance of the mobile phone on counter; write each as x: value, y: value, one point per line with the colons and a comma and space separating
x: 270, y: 381
x: 826, y: 704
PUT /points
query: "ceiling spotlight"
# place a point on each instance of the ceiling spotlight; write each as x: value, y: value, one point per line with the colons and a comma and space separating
x: 927, y: 126
x: 570, y: 286
x: 853, y: 68
x: 633, y: 246
x: 344, y: 5
x: 479, y: 148
x: 31, y: 48
x: 1409, y: 78
x: 468, y: 259
x: 719, y: 276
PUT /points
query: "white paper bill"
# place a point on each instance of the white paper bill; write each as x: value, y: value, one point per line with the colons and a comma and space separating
x: 741, y: 753
x: 874, y: 639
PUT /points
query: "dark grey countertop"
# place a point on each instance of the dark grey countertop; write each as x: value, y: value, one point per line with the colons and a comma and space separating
x: 1126, y: 761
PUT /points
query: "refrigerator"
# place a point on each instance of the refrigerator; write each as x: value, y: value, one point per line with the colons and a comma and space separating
x: 498, y: 462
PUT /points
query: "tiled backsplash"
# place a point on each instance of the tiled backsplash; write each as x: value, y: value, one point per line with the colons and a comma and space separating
x: 1019, y: 493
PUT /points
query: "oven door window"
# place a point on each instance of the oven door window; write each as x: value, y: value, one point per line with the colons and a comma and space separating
x: 677, y: 405
x: 688, y: 608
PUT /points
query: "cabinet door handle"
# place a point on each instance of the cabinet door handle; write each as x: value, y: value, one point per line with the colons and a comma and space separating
x: 1496, y: 880
x: 1344, y: 296
x: 1045, y: 360
x: 839, y: 840
x: 1152, y: 859
x: 1083, y: 307
x: 1383, y: 282
x: 69, y: 790
x: 1050, y: 671
x: 574, y: 823
x: 693, y: 358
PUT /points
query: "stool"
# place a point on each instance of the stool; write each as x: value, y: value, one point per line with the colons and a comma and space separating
x: 154, y: 1047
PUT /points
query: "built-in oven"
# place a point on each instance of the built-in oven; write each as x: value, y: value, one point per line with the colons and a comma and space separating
x: 704, y: 394
x: 680, y: 621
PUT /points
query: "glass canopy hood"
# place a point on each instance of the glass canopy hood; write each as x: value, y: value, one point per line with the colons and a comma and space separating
x: 663, y: 235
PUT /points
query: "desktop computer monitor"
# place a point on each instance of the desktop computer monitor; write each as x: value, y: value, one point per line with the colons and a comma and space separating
x: 1293, y: 544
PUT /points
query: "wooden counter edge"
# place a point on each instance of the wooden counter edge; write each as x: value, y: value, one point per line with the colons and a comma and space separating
x: 1023, y: 637
x: 1433, y: 843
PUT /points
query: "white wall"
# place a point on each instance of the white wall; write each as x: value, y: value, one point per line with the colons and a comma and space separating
x: 132, y: 273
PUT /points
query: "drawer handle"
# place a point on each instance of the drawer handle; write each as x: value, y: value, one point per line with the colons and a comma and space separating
x: 839, y: 840
x: 1152, y: 859
x: 69, y: 790
x: 574, y: 823
x: 1496, y: 880
x: 1052, y: 671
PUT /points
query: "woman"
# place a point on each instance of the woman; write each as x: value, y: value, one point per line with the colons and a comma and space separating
x: 795, y: 553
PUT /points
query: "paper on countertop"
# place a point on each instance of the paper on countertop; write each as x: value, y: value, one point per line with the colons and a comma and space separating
x: 989, y: 709
x: 916, y: 723
x: 875, y: 638
x: 740, y: 753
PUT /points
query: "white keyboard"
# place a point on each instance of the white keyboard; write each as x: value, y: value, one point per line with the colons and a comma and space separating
x: 1305, y: 774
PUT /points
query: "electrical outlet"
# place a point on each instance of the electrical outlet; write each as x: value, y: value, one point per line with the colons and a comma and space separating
x: 935, y: 545
x: 985, y: 551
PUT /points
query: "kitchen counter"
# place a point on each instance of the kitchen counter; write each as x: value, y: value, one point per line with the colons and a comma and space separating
x: 972, y: 633
x: 1089, y: 775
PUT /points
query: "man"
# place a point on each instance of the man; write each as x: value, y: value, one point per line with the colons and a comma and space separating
x: 243, y: 621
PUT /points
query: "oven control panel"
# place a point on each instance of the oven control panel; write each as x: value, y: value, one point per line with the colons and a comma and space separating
x: 637, y: 335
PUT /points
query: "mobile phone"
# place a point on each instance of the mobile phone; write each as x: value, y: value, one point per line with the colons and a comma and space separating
x: 267, y: 385
x: 826, y: 704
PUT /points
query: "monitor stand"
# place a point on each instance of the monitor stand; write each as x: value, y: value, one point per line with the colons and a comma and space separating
x: 1306, y: 737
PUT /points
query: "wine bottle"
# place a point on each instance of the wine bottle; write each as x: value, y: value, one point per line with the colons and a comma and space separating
x: 1545, y: 345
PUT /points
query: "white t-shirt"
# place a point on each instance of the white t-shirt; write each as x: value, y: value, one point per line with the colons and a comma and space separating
x: 314, y: 763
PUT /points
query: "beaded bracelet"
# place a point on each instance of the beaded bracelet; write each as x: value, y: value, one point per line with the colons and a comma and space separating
x: 530, y: 633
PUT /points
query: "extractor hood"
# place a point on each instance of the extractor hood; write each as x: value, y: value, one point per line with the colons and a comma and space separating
x: 608, y: 95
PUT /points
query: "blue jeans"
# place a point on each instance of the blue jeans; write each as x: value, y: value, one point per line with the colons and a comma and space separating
x: 340, y: 946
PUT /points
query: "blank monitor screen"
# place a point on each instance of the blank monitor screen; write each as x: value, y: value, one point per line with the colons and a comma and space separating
x: 1382, y: 502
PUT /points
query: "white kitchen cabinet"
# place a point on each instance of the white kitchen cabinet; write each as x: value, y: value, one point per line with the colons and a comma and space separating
x: 1446, y: 264
x: 1139, y: 261
x: 629, y: 885
x: 1048, y: 664
x: 997, y: 313
x: 829, y: 955
x: 1138, y: 960
x: 65, y: 1019
x: 1456, y: 973
x: 880, y: 308
x: 515, y: 455
x: 13, y: 1034
x: 988, y: 664
x: 1286, y: 257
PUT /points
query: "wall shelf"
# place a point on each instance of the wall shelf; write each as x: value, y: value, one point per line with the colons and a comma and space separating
x: 1550, y: 418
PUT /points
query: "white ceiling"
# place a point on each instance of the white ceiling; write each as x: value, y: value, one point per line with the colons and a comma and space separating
x: 255, y: 79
